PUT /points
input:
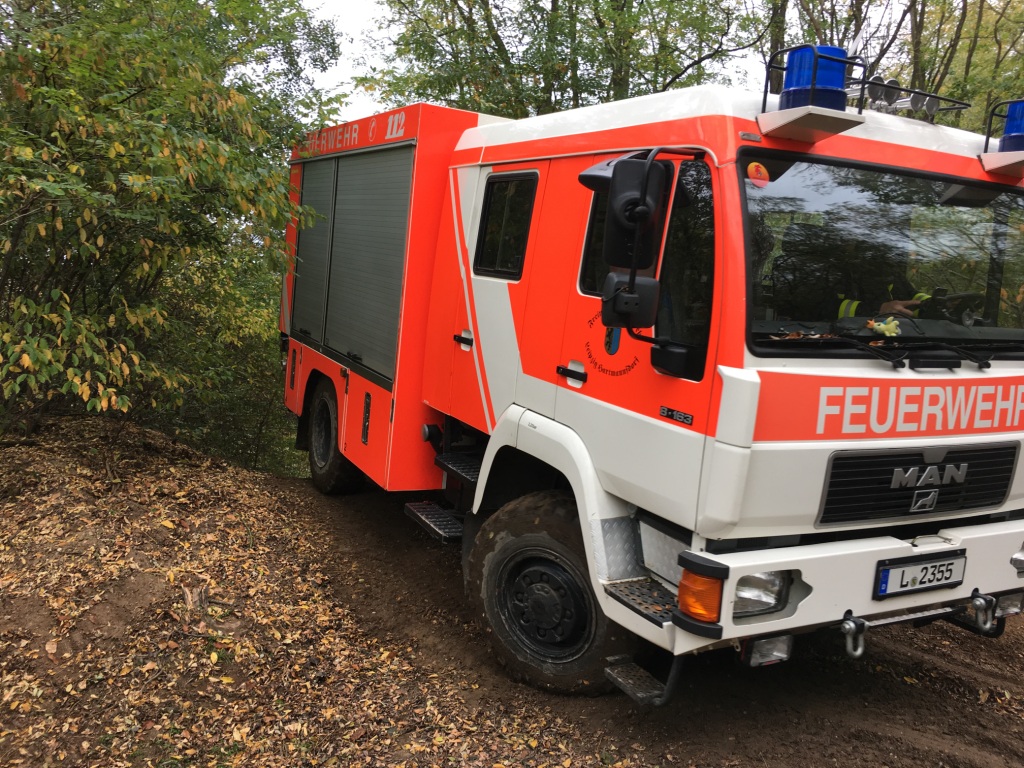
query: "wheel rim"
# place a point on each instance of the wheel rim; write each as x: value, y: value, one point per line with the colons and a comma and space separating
x: 322, y: 441
x: 545, y: 606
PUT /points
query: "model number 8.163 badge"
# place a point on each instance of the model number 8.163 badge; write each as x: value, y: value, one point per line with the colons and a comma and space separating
x: 670, y: 413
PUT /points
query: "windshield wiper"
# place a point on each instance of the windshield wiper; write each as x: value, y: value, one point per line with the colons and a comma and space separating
x: 982, y: 361
x: 896, y: 357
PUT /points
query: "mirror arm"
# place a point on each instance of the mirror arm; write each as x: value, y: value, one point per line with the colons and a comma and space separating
x: 646, y: 339
x: 658, y: 341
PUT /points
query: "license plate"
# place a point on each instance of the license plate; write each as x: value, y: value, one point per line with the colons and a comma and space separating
x: 904, y: 575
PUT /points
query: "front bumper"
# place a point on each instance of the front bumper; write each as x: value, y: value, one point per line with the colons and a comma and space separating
x: 835, y: 580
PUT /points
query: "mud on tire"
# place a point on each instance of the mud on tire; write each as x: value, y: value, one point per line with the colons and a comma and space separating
x: 529, y: 585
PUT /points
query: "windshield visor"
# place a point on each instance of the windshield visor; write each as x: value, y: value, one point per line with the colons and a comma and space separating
x: 845, y: 256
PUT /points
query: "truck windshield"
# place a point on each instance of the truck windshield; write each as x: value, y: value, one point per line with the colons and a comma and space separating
x: 835, y: 251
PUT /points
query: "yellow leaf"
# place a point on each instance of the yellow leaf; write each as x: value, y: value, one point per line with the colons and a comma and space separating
x: 170, y: 577
x: 59, y: 224
x: 227, y: 680
x: 167, y: 524
x: 213, y: 657
x: 25, y: 361
x: 99, y: 241
x: 42, y: 229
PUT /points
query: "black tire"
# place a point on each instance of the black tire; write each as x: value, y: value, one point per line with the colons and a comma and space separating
x: 331, y: 472
x: 528, y: 582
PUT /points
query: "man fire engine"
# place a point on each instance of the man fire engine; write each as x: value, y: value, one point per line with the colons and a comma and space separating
x: 645, y: 350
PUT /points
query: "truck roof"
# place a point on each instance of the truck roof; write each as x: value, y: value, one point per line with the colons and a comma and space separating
x: 707, y: 101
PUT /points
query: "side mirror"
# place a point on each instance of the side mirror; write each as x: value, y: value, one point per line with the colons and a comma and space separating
x: 631, y: 226
x: 622, y: 308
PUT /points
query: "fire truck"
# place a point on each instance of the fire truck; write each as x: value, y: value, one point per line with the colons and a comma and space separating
x: 702, y: 369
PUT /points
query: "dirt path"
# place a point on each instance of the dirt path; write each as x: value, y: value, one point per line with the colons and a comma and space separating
x: 927, y: 697
x: 159, y: 608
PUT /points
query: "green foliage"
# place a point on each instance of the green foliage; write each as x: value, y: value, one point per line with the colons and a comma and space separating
x: 144, y: 192
x: 222, y: 327
x: 522, y: 57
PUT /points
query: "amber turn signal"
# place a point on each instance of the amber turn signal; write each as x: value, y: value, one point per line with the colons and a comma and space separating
x: 700, y: 597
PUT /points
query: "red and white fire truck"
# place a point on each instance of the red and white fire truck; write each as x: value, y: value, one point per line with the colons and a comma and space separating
x: 704, y: 368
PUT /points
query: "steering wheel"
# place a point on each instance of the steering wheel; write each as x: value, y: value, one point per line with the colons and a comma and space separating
x: 962, y: 308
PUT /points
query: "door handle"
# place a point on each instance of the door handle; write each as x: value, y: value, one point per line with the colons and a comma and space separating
x: 569, y: 373
x: 467, y: 340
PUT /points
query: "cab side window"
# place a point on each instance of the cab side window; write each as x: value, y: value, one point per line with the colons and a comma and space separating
x: 505, y: 225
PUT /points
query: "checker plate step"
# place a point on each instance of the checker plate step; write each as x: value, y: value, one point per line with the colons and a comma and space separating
x: 438, y: 521
x: 635, y: 681
x: 645, y: 596
x: 465, y: 465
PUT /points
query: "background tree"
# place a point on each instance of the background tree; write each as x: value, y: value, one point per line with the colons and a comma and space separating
x: 143, y: 152
x: 966, y: 49
x: 522, y: 57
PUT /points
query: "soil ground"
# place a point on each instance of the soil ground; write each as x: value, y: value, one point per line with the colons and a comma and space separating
x: 161, y: 608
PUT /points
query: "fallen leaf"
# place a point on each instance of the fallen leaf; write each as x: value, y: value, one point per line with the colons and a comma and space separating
x: 167, y: 524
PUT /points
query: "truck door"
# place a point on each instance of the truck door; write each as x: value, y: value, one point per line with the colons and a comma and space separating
x: 490, y: 255
x: 646, y: 430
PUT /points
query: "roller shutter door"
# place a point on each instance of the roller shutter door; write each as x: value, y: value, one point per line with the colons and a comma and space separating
x: 371, y: 214
x: 312, y: 260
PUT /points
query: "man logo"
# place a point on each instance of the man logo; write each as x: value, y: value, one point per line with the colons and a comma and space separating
x: 924, y: 501
x: 933, y: 475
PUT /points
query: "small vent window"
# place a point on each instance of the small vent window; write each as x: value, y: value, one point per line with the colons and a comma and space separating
x: 505, y: 226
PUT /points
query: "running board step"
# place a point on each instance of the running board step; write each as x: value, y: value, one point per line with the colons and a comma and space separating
x: 635, y: 681
x: 437, y: 521
x: 644, y: 596
x: 466, y: 466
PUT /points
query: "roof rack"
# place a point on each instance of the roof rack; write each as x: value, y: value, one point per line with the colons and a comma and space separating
x: 894, y: 97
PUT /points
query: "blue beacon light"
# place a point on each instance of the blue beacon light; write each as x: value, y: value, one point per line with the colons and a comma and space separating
x: 1013, y: 132
x: 801, y: 88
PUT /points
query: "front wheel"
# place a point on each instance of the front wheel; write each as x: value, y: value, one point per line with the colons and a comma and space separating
x: 528, y: 580
x: 331, y: 472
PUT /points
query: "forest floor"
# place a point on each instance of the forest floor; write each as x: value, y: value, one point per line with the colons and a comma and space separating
x: 162, y: 608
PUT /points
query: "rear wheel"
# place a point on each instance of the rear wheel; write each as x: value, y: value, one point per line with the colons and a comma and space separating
x: 528, y: 579
x: 331, y: 472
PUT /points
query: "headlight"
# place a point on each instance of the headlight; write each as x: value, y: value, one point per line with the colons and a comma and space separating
x: 761, y: 593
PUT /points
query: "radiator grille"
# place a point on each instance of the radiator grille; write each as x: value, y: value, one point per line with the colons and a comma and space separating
x: 860, y: 485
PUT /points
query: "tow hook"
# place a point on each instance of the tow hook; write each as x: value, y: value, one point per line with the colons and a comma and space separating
x: 984, y: 611
x: 854, y: 630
